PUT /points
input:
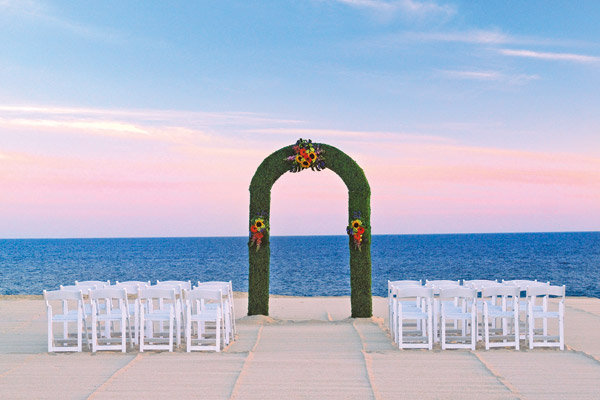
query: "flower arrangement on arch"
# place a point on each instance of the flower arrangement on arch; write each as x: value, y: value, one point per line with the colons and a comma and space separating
x: 306, y: 155
x: 356, y: 230
x: 258, y: 228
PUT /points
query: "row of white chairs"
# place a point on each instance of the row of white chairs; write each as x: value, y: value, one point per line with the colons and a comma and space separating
x: 154, y: 316
x: 499, y: 313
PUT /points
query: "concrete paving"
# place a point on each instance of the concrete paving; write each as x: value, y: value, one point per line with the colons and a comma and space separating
x: 307, y: 349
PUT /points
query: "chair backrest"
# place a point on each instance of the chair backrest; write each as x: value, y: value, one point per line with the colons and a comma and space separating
x: 108, y: 293
x: 405, y: 282
x: 441, y: 282
x: 458, y: 292
x: 186, y: 285
x: 552, y: 291
x: 82, y: 288
x: 503, y: 291
x: 97, y: 284
x: 479, y: 284
x: 151, y: 293
x: 131, y: 287
x: 50, y: 295
x: 412, y: 291
x: 204, y: 294
x: 523, y: 284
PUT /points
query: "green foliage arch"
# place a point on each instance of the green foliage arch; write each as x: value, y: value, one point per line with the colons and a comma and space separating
x: 359, y: 199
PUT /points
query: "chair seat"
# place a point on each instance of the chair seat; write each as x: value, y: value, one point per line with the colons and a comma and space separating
x: 206, y: 315
x: 163, y: 315
x: 547, y: 314
x: 70, y: 316
x: 115, y: 314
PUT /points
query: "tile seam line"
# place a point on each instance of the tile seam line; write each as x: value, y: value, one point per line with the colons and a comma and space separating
x: 244, y: 369
x: 114, y: 375
x: 503, y: 381
x: 368, y: 363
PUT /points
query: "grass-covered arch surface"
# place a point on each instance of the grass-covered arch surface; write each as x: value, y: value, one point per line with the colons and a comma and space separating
x: 359, y: 199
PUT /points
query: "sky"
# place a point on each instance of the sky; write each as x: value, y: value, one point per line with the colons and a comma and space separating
x: 129, y: 119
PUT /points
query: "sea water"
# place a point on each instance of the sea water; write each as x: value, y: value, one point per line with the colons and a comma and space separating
x: 305, y: 265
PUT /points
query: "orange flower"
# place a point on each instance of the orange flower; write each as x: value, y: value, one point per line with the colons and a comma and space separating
x: 253, y: 229
x: 358, y: 237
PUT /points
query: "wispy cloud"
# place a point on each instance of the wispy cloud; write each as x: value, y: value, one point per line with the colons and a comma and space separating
x: 577, y: 58
x: 41, y: 14
x: 496, y: 76
x: 406, y: 7
x: 349, y: 135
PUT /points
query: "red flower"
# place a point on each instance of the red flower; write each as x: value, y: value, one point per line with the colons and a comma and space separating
x: 358, y: 237
x: 258, y: 235
x: 360, y: 230
x: 253, y: 229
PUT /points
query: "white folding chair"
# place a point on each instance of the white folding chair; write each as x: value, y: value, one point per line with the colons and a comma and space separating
x: 69, y: 315
x: 479, y: 284
x: 132, y: 288
x: 437, y: 285
x: 156, y: 304
x: 457, y: 304
x: 405, y: 309
x: 501, y: 302
x: 228, y: 313
x: 110, y: 307
x: 392, y: 317
x: 544, y: 312
x: 179, y: 287
x: 523, y: 284
x: 205, y: 318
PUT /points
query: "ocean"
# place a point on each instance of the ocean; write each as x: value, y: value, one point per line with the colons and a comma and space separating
x: 305, y: 265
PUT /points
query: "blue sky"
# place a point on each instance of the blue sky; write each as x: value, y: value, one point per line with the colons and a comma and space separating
x: 515, y: 80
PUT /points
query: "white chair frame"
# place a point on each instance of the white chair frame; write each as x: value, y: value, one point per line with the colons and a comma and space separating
x: 535, y: 311
x: 115, y: 310
x: 166, y: 302
x: 501, y: 302
x: 407, y: 310
x: 68, y: 315
x: 197, y: 313
x: 460, y: 308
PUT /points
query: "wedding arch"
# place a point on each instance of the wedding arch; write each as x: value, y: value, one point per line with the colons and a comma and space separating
x: 296, y: 158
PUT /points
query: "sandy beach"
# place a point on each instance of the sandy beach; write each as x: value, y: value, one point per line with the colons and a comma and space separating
x: 308, y: 348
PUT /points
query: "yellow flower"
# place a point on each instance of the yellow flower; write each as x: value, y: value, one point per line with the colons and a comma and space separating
x: 259, y: 224
x: 299, y: 159
x: 305, y: 164
x: 356, y: 223
x: 312, y: 155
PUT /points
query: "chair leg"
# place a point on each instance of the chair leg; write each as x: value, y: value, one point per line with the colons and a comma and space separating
x: 171, y: 334
x: 517, y: 333
x: 142, y: 332
x: 486, y: 327
x: 79, y: 334
x: 561, y: 325
x: 218, y: 335
x: 530, y: 327
x: 94, y: 334
x: 443, y: 332
x: 50, y: 332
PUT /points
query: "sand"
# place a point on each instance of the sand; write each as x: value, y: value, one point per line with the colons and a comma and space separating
x: 308, y: 348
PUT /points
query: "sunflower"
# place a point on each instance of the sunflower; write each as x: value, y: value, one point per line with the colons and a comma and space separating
x: 312, y: 156
x: 299, y: 159
x: 259, y: 224
x: 356, y: 223
x: 305, y: 164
